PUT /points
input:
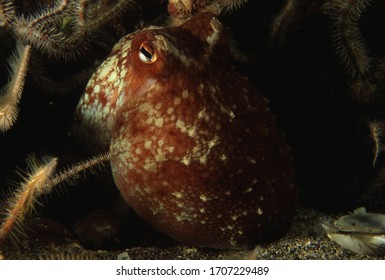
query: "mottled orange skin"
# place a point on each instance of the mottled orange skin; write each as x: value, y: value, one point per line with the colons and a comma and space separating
x: 183, y: 9
x: 198, y: 153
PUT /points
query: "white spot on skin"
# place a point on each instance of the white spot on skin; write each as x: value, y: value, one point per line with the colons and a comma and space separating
x: 203, y: 115
x: 180, y: 204
x: 216, y: 27
x: 185, y: 94
x: 196, y: 150
x: 159, y: 122
x: 146, y: 107
x: 203, y: 159
x: 159, y: 157
x: 96, y: 89
x: 123, y: 73
x: 181, y: 125
x: 177, y: 101
x: 150, y: 166
x: 232, y: 242
x: 103, y: 72
x: 200, y: 89
x: 148, y: 144
x: 186, y: 160
x: 183, y: 217
x: 177, y: 194
x: 248, y: 190
x: 192, y: 131
x: 106, y: 110
x: 213, y: 142
x: 203, y: 197
x: 112, y: 77
x: 178, y: 217
x: 86, y: 98
x: 135, y: 159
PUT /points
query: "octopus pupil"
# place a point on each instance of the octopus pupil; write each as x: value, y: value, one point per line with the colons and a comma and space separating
x: 145, y: 54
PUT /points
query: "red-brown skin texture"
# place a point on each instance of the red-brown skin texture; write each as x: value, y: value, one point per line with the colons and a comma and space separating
x: 198, y: 154
x: 185, y: 8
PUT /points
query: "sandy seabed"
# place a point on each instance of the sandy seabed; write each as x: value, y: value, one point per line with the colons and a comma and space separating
x: 304, y: 241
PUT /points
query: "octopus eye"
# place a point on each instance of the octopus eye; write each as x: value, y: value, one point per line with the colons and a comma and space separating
x: 147, y: 53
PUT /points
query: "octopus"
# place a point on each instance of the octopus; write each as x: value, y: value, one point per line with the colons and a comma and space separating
x: 196, y: 152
